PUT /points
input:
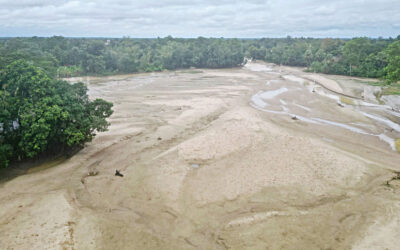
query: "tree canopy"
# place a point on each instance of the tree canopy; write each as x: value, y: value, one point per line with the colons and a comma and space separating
x: 64, y: 57
x: 393, y: 58
x: 41, y: 115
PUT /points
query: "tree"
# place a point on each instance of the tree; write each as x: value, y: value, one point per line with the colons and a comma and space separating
x: 355, y: 52
x: 392, y: 70
x: 40, y: 115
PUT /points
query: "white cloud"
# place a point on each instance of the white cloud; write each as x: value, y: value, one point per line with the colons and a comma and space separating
x: 182, y: 18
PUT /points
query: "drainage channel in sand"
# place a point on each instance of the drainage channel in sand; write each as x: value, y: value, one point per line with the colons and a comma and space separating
x: 261, y: 98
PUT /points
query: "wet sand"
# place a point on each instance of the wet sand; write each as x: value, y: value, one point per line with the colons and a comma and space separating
x: 253, y: 158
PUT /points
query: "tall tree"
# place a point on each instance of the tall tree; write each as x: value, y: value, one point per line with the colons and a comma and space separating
x: 393, y: 56
x: 40, y: 115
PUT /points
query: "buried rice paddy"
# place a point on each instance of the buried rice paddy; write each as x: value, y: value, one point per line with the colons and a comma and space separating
x: 247, y: 158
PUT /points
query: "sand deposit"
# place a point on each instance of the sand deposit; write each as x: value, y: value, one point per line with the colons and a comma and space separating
x: 258, y: 157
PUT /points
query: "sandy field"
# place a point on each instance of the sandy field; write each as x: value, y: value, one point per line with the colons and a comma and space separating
x: 259, y: 157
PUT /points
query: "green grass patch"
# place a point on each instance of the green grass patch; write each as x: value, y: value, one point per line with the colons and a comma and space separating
x: 391, y: 90
x: 397, y: 144
x: 372, y: 83
x: 378, y: 97
x: 346, y: 100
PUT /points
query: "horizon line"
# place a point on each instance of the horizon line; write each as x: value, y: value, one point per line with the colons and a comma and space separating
x: 208, y: 37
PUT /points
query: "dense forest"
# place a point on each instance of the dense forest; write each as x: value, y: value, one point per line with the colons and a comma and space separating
x: 364, y: 57
x: 70, y: 56
x: 63, y: 57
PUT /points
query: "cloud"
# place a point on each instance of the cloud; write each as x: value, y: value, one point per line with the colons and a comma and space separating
x: 182, y: 18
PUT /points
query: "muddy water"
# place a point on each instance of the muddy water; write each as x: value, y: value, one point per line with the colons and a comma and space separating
x: 222, y: 159
x: 381, y: 117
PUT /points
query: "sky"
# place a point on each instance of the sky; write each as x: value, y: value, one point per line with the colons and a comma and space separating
x: 194, y: 18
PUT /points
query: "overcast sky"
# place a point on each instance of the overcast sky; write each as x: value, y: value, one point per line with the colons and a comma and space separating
x: 193, y: 18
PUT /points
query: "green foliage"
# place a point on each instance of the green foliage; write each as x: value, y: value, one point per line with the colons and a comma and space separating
x: 358, y: 57
x: 69, y: 71
x: 40, y: 115
x: 393, y: 68
x: 65, y: 57
x: 393, y: 89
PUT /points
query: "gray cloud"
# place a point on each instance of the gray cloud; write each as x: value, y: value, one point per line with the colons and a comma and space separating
x: 182, y: 18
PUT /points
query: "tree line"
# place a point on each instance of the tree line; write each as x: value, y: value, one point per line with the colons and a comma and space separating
x: 64, y: 57
x: 363, y: 57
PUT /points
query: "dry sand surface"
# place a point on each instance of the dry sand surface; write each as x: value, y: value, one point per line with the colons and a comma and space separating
x: 259, y: 157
